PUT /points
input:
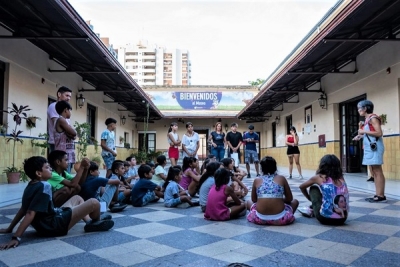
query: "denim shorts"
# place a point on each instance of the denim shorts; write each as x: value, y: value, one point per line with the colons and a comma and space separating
x: 108, y: 159
x: 150, y: 196
x: 173, y: 202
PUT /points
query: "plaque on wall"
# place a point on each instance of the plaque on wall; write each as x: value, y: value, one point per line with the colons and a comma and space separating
x: 321, y: 140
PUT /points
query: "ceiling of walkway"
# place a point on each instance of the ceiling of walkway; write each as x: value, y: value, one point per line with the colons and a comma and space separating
x: 56, y: 28
x: 371, y: 22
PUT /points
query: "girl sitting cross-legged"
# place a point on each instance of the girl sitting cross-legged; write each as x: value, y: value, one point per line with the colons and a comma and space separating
x: 216, y: 208
x: 190, y: 177
x: 272, y: 197
x: 174, y: 195
x: 206, y: 182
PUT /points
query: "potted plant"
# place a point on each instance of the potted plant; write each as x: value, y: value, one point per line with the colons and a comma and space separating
x: 121, y: 140
x: 127, y: 145
x: 83, y: 133
x: 18, y: 114
x: 3, y: 129
x: 140, y: 156
x: 43, y: 145
x: 97, y: 159
x: 31, y: 122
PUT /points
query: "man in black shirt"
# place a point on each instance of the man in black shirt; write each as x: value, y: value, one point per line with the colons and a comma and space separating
x: 234, y: 140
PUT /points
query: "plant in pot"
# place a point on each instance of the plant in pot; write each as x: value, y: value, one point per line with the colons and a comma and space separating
x: 14, y: 174
x: 83, y: 133
x: 127, y: 145
x: 31, y: 122
x: 3, y: 129
x: 121, y: 140
x: 43, y: 145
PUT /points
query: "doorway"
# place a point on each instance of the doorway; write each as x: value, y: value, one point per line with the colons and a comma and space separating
x: 204, y: 147
x: 351, y: 152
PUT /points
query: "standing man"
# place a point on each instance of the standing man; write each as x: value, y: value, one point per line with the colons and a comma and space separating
x: 251, y: 156
x: 190, y: 142
x: 63, y: 94
x: 234, y: 140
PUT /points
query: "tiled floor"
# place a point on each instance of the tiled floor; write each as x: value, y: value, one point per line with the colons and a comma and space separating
x: 159, y: 236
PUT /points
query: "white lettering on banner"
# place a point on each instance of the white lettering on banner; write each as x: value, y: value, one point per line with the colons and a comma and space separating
x: 200, y: 103
x: 198, y: 96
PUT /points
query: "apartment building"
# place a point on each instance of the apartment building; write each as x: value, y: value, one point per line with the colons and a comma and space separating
x: 152, y: 65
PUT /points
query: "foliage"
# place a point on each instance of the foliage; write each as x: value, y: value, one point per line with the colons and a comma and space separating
x: 22, y: 175
x: 3, y: 129
x: 97, y: 159
x: 140, y: 156
x: 152, y: 155
x: 31, y: 122
x: 121, y: 139
x: 83, y: 133
x: 383, y: 119
x: 127, y: 145
x: 257, y: 82
x: 44, y: 145
x: 95, y: 143
x: 19, y: 114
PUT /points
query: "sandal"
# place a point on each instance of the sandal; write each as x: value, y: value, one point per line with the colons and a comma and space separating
x: 378, y: 199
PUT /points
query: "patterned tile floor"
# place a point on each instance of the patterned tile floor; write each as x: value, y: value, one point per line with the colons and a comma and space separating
x: 159, y: 236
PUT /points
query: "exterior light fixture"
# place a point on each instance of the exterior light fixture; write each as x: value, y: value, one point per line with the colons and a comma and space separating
x: 226, y: 127
x: 80, y: 101
x: 123, y: 120
x: 277, y: 120
x: 323, y: 101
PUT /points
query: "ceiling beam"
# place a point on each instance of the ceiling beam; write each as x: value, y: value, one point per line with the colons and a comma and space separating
x: 106, y: 90
x: 131, y: 101
x: 44, y: 37
x: 83, y: 71
x: 361, y: 40
x: 322, y: 72
x: 297, y: 91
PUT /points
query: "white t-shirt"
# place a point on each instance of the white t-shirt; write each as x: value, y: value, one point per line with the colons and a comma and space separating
x: 190, y: 142
x: 52, y: 113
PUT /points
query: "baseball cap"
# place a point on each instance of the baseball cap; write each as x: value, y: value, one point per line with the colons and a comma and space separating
x: 251, y: 127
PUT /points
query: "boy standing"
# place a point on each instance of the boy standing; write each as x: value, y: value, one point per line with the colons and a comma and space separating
x: 108, y: 145
x: 37, y: 208
x: 145, y: 191
x: 63, y: 133
x: 63, y: 184
x: 251, y: 156
x: 234, y: 140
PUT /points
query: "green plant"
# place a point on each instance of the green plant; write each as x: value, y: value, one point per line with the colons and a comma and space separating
x: 31, y: 121
x: 97, y: 159
x: 121, y: 139
x: 95, y: 143
x: 140, y: 156
x: 152, y: 155
x: 127, y: 145
x: 18, y: 114
x: 22, y: 175
x: 44, y: 145
x: 383, y: 119
x: 83, y: 133
x: 3, y: 129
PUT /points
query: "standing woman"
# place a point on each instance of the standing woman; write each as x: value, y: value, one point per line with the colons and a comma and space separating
x: 174, y: 143
x: 372, y: 135
x: 190, y: 142
x: 217, y: 140
x: 292, y: 141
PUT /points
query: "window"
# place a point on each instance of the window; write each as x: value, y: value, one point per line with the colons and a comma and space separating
x: 289, y: 124
x: 274, y: 134
x: 149, y: 143
x: 2, y: 88
x: 91, y: 119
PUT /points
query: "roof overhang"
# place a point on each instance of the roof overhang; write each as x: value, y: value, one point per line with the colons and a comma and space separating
x: 348, y: 29
x: 56, y: 28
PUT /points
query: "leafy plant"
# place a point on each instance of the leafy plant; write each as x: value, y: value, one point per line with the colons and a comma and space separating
x: 44, y: 145
x: 121, y: 139
x: 95, y: 143
x: 3, y: 129
x: 127, y: 145
x: 140, y: 156
x: 31, y: 122
x: 83, y: 133
x: 97, y: 159
x: 22, y: 175
x: 19, y: 114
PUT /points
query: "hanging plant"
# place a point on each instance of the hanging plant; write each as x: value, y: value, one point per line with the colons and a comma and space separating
x: 383, y: 119
x: 31, y: 122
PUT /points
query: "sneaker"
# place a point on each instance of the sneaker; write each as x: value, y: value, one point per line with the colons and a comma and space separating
x: 370, y: 198
x: 306, y: 212
x: 248, y: 175
x: 258, y: 175
x: 378, y: 199
x: 290, y: 176
x: 118, y: 207
x: 195, y: 203
x: 99, y: 226
x: 371, y: 179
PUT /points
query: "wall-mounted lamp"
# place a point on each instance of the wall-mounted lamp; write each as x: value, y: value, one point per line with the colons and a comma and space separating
x: 226, y: 127
x: 80, y: 101
x: 323, y: 101
x: 123, y: 120
x: 277, y: 120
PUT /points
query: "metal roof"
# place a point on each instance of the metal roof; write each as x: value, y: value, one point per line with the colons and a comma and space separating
x: 357, y: 27
x: 56, y: 28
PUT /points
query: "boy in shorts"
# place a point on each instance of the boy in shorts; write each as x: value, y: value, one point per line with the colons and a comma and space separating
x: 108, y: 152
x: 145, y: 191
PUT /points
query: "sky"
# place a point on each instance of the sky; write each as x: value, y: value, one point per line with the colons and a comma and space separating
x: 229, y: 42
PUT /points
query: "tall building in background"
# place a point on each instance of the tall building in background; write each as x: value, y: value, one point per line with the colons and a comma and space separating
x: 152, y: 65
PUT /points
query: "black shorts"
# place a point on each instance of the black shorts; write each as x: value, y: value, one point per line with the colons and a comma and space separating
x: 291, y: 150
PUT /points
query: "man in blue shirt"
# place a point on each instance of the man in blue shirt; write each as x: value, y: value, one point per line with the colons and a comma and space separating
x: 251, y: 156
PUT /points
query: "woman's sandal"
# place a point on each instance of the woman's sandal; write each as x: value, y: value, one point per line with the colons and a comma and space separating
x: 378, y: 199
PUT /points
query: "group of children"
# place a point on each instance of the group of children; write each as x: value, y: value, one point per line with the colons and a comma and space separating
x: 55, y: 200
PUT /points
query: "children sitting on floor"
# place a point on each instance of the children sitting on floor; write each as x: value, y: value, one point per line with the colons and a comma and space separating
x: 145, y: 190
x: 272, y: 197
x: 160, y: 175
x: 328, y: 193
x: 174, y: 195
x: 216, y: 209
x: 132, y: 176
x: 63, y: 184
x: 206, y: 182
x: 238, y: 187
x: 118, y: 171
x: 37, y: 208
x: 102, y: 189
x: 190, y: 177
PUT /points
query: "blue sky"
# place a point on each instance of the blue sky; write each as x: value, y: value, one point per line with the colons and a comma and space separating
x: 230, y: 42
